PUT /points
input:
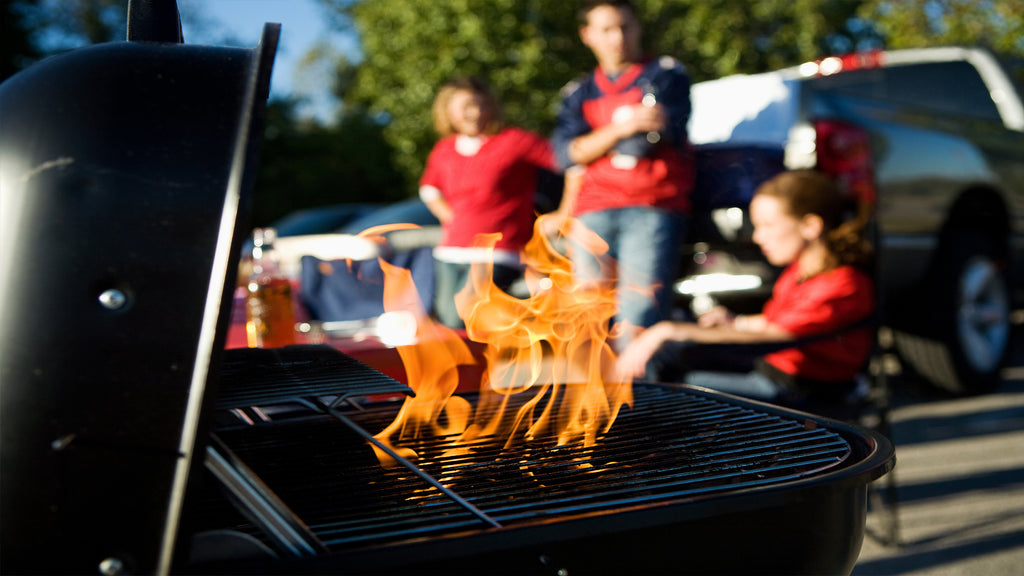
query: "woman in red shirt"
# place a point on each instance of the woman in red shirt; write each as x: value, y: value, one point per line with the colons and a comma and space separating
x: 824, y: 295
x: 480, y: 178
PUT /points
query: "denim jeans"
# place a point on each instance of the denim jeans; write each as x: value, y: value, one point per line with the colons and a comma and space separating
x: 714, y: 367
x: 747, y: 384
x: 643, y: 257
x: 451, y: 277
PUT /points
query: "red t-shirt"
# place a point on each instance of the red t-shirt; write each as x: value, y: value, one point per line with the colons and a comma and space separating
x: 492, y: 190
x: 821, y: 304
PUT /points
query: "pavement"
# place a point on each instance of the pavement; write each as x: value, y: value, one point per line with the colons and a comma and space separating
x: 960, y: 480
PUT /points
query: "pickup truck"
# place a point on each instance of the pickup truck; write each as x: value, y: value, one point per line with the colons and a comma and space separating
x: 931, y: 141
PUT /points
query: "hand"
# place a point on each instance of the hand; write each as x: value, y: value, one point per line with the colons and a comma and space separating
x: 717, y: 316
x: 552, y: 223
x: 639, y: 118
x: 632, y: 363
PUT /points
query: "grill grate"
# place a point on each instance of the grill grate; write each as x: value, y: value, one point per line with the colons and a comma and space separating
x: 672, y: 444
x: 266, y: 376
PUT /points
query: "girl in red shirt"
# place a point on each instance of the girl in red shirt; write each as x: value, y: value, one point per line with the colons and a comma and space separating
x: 480, y: 178
x: 822, y: 293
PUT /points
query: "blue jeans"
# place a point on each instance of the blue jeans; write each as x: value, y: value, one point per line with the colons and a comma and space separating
x: 720, y: 368
x: 643, y: 259
x: 451, y: 277
x: 747, y: 384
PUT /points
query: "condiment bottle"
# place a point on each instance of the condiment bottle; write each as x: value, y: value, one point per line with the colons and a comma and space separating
x: 270, y: 316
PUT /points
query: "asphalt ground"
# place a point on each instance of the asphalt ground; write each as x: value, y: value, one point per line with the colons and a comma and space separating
x: 959, y: 477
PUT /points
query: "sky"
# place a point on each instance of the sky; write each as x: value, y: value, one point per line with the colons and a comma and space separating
x: 303, y: 24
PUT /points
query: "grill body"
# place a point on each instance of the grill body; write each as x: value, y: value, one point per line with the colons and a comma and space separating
x: 686, y: 481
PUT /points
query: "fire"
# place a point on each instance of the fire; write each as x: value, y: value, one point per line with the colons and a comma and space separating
x: 550, y: 349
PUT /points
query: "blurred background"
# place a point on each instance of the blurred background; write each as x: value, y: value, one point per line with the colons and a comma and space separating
x: 349, y: 118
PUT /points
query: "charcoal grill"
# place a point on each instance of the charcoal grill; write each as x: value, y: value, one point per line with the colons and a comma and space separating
x: 133, y: 443
x: 683, y: 480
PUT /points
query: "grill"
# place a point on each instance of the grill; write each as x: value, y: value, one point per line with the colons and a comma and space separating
x: 685, y: 469
x: 134, y: 443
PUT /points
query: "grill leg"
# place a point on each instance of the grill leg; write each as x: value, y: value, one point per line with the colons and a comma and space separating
x: 883, y: 494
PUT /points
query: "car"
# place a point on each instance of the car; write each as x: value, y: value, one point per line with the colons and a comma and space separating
x: 411, y: 211
x: 321, y: 219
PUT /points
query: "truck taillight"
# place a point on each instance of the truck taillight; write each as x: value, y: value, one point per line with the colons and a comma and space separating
x: 844, y: 152
x: 835, y: 64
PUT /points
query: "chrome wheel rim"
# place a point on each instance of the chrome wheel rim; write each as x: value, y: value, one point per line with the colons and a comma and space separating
x: 983, y: 316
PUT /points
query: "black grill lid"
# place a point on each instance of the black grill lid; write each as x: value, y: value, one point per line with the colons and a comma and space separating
x: 125, y: 178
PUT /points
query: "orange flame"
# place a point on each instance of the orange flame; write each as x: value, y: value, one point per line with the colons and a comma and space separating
x: 551, y: 347
x: 431, y: 366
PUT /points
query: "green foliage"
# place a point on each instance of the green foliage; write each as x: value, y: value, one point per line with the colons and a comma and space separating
x: 716, y: 38
x: 69, y: 25
x: 526, y: 49
x: 31, y: 29
x: 305, y: 164
x: 16, y: 48
x: 996, y: 24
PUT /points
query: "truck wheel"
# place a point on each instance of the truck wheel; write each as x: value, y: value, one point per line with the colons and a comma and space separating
x: 971, y: 315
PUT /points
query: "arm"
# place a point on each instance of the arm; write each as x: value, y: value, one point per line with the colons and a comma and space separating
x: 716, y: 316
x: 436, y: 203
x: 633, y: 361
x: 431, y: 184
x: 594, y: 145
x: 576, y: 142
x: 554, y: 222
x: 757, y: 331
x: 720, y: 316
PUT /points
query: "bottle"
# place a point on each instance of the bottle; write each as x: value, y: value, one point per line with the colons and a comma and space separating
x: 629, y: 150
x: 269, y: 314
x: 649, y: 99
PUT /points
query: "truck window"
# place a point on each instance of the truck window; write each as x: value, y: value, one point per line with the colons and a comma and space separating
x: 952, y: 88
x: 1015, y: 70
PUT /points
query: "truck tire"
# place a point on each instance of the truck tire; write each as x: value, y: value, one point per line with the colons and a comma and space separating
x: 970, y: 319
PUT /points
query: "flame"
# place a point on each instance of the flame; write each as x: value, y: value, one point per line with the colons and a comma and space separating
x: 550, y: 349
x: 431, y: 366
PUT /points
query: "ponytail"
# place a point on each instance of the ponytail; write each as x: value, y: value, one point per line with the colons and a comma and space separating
x: 848, y: 244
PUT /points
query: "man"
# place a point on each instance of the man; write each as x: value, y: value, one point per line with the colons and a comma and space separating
x: 621, y: 137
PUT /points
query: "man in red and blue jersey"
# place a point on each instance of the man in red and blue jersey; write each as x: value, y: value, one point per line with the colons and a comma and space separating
x: 621, y: 137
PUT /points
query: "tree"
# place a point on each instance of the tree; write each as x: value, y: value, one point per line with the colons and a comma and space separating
x: 32, y: 29
x: 304, y: 164
x: 720, y: 37
x: 529, y: 49
x: 58, y: 25
x: 525, y: 48
x: 16, y: 48
x: 996, y: 24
